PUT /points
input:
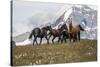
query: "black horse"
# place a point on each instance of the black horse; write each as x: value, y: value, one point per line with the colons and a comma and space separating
x: 39, y: 33
x: 57, y: 33
x: 65, y: 34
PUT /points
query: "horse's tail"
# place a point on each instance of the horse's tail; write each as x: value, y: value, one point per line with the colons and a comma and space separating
x: 30, y: 36
x: 81, y: 28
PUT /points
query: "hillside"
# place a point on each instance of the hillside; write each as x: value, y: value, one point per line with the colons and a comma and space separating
x: 83, y: 51
x: 21, y: 37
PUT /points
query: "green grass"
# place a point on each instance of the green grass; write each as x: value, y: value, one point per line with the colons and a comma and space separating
x: 85, y: 50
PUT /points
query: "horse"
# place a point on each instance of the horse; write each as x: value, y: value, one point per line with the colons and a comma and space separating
x: 74, y: 32
x: 65, y: 34
x: 39, y: 33
x: 57, y: 33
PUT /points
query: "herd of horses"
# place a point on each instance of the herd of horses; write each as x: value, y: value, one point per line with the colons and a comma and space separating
x: 63, y: 33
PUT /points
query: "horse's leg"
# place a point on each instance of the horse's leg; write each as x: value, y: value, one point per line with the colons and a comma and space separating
x: 79, y: 36
x: 47, y: 39
x: 75, y: 37
x: 65, y: 38
x: 70, y: 37
x: 53, y: 39
x: 62, y: 38
x: 36, y: 40
x: 40, y: 41
x: 59, y: 38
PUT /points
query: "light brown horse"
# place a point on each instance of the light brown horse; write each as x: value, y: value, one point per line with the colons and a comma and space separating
x: 74, y: 32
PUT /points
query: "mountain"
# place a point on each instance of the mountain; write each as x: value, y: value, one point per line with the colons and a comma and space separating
x: 83, y: 15
x: 21, y: 37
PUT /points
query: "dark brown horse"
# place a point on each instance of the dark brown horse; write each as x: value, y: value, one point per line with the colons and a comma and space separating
x: 57, y: 33
x: 74, y: 32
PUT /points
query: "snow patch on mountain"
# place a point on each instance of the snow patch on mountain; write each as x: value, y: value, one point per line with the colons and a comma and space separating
x: 26, y: 42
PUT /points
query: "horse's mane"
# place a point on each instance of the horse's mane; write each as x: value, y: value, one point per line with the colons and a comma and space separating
x: 81, y: 27
x: 64, y: 26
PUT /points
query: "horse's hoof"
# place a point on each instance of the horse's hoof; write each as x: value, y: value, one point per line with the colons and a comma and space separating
x: 48, y: 43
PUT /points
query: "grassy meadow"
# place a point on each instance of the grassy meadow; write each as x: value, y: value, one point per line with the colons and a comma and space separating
x: 83, y: 51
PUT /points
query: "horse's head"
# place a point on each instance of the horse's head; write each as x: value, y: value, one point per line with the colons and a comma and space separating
x: 81, y: 28
x: 48, y: 28
x: 64, y: 27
